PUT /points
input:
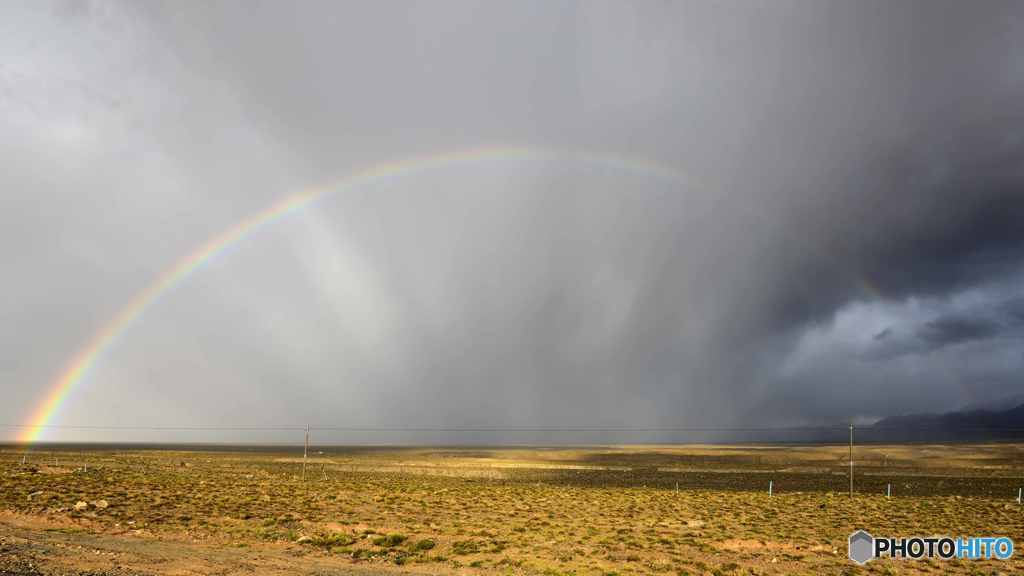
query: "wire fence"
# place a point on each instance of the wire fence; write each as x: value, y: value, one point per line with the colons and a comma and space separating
x: 777, y: 429
x: 278, y: 434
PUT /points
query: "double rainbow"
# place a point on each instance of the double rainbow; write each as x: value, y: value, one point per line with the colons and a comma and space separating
x: 105, y: 338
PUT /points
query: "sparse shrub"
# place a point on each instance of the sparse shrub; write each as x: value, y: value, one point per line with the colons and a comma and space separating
x: 726, y: 569
x: 330, y: 540
x: 465, y: 547
x: 390, y: 540
x: 425, y: 544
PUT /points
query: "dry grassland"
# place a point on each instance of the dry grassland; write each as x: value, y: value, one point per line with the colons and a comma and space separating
x: 523, y: 511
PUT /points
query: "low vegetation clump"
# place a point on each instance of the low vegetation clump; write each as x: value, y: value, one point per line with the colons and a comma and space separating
x: 330, y: 540
x: 423, y: 545
x: 390, y: 540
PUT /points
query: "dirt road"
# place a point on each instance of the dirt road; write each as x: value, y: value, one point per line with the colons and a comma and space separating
x: 33, y: 546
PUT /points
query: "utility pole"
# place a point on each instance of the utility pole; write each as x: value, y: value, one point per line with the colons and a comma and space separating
x: 305, y: 453
x: 851, y: 460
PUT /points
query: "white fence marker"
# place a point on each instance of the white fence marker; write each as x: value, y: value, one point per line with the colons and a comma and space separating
x: 1019, y: 494
x: 305, y: 451
x: 770, y: 487
x: 851, y: 460
x: 888, y: 490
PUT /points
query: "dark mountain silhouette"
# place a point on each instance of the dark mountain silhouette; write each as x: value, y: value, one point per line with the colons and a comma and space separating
x: 960, y: 425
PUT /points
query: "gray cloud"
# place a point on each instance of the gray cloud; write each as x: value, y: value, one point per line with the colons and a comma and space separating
x: 937, y: 352
x: 854, y: 200
x: 956, y: 330
x: 979, y: 322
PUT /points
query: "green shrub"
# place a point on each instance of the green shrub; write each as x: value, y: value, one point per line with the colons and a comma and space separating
x: 390, y: 541
x: 331, y: 540
x: 465, y: 547
x: 426, y: 544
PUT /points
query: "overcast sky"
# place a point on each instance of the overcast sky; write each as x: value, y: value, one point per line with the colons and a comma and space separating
x: 847, y: 243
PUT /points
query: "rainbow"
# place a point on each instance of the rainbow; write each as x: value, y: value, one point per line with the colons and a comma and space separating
x: 104, y: 339
x: 870, y: 288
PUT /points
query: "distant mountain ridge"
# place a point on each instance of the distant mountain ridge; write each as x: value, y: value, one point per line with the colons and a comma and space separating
x: 994, y: 405
x: 1014, y: 417
x: 957, y: 425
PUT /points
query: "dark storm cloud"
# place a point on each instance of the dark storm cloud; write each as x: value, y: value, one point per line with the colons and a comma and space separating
x: 938, y: 212
x: 988, y: 320
x: 848, y: 243
x: 949, y: 351
x: 955, y: 330
x: 1013, y: 310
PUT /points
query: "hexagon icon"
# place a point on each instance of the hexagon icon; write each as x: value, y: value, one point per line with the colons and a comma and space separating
x: 861, y: 546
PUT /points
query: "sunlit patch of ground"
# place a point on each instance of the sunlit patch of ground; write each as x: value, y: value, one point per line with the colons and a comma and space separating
x: 547, y: 511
